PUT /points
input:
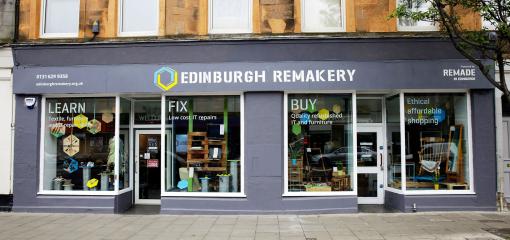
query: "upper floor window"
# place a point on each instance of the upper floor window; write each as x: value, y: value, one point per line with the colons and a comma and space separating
x: 230, y: 16
x: 405, y: 24
x: 322, y: 16
x: 60, y: 18
x: 138, y: 17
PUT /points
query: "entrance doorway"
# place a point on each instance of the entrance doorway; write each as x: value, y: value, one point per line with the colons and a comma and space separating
x: 370, y: 160
x: 148, y: 167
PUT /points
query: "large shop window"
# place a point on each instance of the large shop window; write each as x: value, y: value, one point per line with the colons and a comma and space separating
x: 60, y: 18
x: 436, y: 128
x: 320, y: 141
x: 139, y: 17
x: 322, y: 16
x: 407, y: 24
x: 203, y: 139
x: 79, y: 145
x: 230, y: 16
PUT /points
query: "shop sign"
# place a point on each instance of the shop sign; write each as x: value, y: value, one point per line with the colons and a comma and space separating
x: 248, y: 76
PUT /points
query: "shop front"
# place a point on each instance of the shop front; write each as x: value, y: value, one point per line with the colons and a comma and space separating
x: 273, y: 126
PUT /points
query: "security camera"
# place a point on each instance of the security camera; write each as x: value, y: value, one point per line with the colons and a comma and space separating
x: 30, y: 102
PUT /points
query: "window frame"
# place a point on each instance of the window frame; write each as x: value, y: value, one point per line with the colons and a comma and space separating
x: 116, y: 190
x: 210, y: 19
x: 306, y: 29
x: 432, y: 28
x: 354, y: 179
x: 42, y: 25
x: 121, y: 33
x: 164, y: 114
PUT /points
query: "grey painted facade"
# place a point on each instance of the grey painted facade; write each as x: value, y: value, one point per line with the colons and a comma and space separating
x: 263, y: 125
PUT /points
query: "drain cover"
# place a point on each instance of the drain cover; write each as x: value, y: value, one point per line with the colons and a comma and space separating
x: 500, y: 232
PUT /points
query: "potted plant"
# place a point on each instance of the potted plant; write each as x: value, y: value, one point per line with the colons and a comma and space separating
x: 57, y: 183
x: 435, y: 180
x: 224, y: 182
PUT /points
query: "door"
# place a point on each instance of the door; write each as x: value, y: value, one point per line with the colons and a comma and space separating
x: 148, y: 167
x: 370, y: 158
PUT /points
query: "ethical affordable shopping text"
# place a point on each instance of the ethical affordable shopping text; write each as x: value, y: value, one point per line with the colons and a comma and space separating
x: 278, y: 76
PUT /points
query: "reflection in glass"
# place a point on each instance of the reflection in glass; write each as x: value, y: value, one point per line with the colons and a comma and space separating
x: 393, y: 141
x: 367, y: 184
x: 322, y: 15
x: 320, y: 142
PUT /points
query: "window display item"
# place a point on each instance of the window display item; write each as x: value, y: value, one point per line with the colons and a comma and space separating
x: 94, y: 126
x: 58, y: 130
x: 57, y: 183
x: 71, y: 145
x: 70, y: 165
x: 86, y: 176
x: 104, y: 181
x: 107, y: 117
x: 80, y: 121
x: 92, y: 183
x: 234, y: 173
x: 204, y: 182
x: 224, y: 182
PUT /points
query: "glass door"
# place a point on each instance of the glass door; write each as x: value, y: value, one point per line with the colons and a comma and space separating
x: 370, y: 159
x: 148, y: 167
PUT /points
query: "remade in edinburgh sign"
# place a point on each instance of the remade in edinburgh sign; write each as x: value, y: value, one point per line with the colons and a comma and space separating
x: 249, y: 76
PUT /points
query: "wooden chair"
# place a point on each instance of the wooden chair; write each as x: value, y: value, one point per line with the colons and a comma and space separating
x: 434, y: 150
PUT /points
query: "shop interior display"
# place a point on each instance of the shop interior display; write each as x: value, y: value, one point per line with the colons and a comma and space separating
x: 79, y: 146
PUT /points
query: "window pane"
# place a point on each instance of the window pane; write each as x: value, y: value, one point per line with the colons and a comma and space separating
x: 79, y: 146
x: 203, y: 144
x: 393, y: 141
x: 320, y: 142
x: 62, y: 16
x: 125, y: 119
x: 148, y: 111
x: 436, y: 126
x: 369, y: 110
x: 415, y: 5
x: 140, y: 16
x: 230, y: 16
x: 322, y: 15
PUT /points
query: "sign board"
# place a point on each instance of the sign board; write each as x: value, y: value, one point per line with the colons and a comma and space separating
x: 250, y: 76
x: 152, y: 163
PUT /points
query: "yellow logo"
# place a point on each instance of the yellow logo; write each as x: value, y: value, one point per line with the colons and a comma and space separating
x: 165, y: 73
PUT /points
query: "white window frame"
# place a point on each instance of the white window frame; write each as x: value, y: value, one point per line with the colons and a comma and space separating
x: 471, y: 190
x: 312, y: 29
x: 232, y: 30
x: 354, y: 178
x: 164, y: 115
x: 431, y: 28
x: 116, y: 191
x: 139, y: 33
x: 42, y: 26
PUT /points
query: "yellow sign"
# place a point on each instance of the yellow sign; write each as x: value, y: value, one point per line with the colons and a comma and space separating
x: 80, y: 121
x: 92, y: 183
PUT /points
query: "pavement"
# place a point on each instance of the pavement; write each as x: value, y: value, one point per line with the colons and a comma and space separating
x: 439, y: 225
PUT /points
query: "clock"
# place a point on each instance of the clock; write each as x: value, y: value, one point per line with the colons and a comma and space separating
x: 71, y: 145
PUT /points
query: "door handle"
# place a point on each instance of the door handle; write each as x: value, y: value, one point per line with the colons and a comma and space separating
x: 136, y: 167
x: 380, y: 154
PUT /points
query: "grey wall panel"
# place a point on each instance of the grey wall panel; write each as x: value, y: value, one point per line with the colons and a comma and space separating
x: 123, y: 201
x: 238, y: 51
x: 394, y: 201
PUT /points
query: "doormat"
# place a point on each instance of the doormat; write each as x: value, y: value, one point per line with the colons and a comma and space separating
x: 500, y: 232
